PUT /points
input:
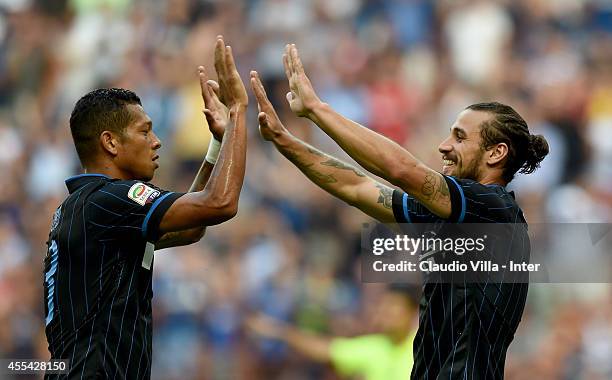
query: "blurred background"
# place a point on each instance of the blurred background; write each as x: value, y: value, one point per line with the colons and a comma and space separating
x: 404, y: 68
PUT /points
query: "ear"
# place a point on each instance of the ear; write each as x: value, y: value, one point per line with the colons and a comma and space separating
x: 497, y: 154
x: 109, y: 142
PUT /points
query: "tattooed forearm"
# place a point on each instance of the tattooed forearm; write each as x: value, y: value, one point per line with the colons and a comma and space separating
x: 341, y: 180
x: 307, y: 167
x: 434, y: 188
x: 316, y: 175
x: 341, y: 165
x: 315, y: 151
x: 385, y: 195
x: 334, y: 162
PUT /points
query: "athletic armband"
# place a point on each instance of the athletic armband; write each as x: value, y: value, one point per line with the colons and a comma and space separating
x: 213, y: 151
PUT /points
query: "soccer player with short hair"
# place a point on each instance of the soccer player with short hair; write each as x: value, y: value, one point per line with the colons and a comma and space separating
x: 98, y: 268
x: 464, y: 329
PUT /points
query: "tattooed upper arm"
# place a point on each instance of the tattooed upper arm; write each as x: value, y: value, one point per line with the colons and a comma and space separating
x: 434, y: 194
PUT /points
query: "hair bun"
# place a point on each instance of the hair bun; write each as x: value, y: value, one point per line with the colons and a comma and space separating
x: 536, y: 151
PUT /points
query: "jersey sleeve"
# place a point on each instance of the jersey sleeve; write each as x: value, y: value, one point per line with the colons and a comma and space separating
x: 407, y: 209
x: 131, y: 209
x: 458, y: 200
x: 474, y: 202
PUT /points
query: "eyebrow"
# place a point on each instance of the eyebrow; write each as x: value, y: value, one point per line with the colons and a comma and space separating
x: 458, y: 131
x: 148, y: 123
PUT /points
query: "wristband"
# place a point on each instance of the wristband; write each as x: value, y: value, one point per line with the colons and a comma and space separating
x: 213, y: 151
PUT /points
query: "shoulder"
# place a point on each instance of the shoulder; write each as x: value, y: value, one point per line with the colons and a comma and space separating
x: 126, y: 194
x: 487, y: 203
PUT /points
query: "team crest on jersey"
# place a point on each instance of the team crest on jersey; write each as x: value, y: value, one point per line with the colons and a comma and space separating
x: 56, y: 218
x: 142, y: 194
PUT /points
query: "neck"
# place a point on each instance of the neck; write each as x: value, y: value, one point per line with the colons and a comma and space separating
x: 492, y: 179
x: 107, y: 170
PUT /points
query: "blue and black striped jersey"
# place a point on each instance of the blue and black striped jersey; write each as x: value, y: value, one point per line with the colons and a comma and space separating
x: 97, y: 276
x: 465, y: 328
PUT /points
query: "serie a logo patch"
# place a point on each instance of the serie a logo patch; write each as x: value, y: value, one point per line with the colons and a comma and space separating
x: 142, y: 194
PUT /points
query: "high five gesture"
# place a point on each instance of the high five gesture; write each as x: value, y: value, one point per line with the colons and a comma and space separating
x: 225, y: 104
x: 302, y: 97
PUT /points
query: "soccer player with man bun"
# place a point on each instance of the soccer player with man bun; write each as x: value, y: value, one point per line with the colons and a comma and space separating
x: 464, y: 329
x: 98, y: 268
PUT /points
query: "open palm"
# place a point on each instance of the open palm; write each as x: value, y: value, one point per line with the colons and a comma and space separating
x: 302, y: 97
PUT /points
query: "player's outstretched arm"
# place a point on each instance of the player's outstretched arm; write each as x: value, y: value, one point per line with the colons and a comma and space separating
x: 225, y: 110
x: 332, y: 175
x: 313, y: 346
x: 217, y: 130
x: 376, y: 153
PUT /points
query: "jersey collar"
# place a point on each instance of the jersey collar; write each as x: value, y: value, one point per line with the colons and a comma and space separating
x: 74, y: 182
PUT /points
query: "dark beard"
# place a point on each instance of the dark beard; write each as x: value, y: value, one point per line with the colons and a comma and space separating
x: 472, y: 171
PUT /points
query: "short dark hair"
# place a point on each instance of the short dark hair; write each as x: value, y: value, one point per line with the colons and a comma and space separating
x: 100, y: 110
x: 525, y: 151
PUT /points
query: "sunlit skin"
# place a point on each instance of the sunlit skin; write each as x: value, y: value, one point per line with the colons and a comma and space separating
x: 133, y: 154
x: 462, y: 154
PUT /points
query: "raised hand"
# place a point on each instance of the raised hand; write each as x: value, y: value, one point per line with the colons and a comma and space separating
x: 270, y: 125
x: 231, y: 89
x: 216, y: 113
x: 225, y: 96
x: 302, y: 97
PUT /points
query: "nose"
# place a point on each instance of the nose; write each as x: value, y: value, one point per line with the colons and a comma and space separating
x: 445, y: 146
x: 156, y: 142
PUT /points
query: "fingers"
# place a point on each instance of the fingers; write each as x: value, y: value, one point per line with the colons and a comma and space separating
x: 296, y: 62
x: 292, y: 59
x: 210, y: 119
x: 214, y: 86
x: 230, y: 65
x: 203, y: 86
x: 286, y: 65
x: 220, y: 65
x: 220, y: 58
x: 260, y: 92
x: 231, y: 88
x: 289, y: 96
x: 287, y: 57
x: 234, y: 83
x: 215, y: 101
x: 215, y: 92
x: 262, y: 117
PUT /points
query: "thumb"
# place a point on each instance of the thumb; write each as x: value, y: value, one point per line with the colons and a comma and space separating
x: 213, y: 86
x: 209, y: 116
x: 263, y: 120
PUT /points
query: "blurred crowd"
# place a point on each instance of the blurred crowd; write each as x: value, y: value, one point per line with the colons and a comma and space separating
x: 404, y: 68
